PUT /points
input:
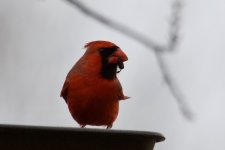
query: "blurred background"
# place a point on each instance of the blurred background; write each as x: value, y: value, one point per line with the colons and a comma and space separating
x: 40, y: 40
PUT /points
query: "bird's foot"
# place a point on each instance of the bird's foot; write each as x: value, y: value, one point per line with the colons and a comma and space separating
x: 109, y: 127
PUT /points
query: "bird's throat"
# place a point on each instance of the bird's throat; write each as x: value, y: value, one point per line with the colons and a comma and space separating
x: 109, y: 67
x: 108, y: 71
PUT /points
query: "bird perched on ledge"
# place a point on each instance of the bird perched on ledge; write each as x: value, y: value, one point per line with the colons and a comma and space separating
x: 92, y: 90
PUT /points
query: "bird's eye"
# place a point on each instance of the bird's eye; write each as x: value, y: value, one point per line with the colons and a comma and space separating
x: 110, y: 49
x: 101, y: 50
x: 107, y: 51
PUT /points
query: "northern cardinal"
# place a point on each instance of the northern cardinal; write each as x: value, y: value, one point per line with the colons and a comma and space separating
x: 92, y: 90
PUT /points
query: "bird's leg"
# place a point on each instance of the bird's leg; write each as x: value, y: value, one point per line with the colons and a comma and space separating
x: 109, y: 126
x: 82, y: 126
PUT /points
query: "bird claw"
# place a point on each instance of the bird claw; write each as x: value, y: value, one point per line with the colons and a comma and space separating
x: 109, y: 127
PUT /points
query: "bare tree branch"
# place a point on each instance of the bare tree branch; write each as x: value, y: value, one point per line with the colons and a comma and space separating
x: 158, y: 49
x: 172, y: 44
x: 174, y: 24
x: 117, y: 26
x: 174, y: 89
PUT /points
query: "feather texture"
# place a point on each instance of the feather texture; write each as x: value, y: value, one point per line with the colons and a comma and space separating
x: 92, y: 89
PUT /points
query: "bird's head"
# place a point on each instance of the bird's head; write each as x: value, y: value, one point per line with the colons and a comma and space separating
x: 111, y: 57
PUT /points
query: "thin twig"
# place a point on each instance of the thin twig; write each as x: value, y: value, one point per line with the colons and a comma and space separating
x: 172, y: 44
x: 174, y: 89
x: 174, y: 24
x: 158, y: 49
x: 117, y: 26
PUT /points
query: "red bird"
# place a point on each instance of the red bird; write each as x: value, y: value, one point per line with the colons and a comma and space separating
x: 92, y: 89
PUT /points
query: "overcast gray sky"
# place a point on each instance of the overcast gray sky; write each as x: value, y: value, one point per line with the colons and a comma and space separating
x: 40, y: 40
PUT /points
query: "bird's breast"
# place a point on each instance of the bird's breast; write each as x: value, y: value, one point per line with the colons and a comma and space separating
x: 93, y: 100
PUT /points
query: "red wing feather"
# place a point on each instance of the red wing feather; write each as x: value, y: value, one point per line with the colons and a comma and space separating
x: 64, y: 91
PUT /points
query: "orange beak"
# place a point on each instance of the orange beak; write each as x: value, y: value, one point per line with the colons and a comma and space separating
x: 119, y: 53
x: 117, y: 56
